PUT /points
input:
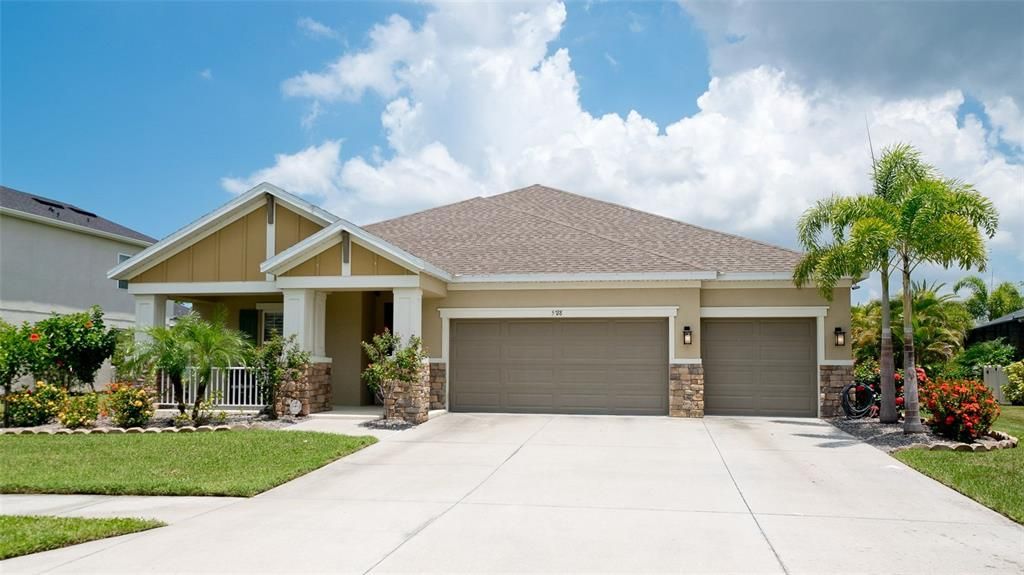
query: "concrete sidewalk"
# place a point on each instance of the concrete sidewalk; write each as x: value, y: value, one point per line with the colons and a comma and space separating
x: 166, y: 509
x: 506, y: 493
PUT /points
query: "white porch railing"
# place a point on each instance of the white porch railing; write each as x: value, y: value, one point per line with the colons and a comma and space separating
x: 229, y: 387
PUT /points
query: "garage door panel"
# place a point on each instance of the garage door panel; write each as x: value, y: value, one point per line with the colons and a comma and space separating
x: 565, y: 365
x: 760, y: 366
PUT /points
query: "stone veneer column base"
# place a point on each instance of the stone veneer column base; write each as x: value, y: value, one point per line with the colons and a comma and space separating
x: 312, y: 389
x: 438, y: 374
x: 686, y: 390
x: 410, y: 401
x: 833, y: 379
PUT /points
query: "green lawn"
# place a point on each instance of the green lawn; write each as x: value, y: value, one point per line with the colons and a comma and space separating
x: 241, y: 463
x: 24, y: 534
x: 994, y: 479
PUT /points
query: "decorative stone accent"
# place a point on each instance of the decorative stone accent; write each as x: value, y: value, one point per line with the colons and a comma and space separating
x: 994, y: 441
x: 438, y: 374
x: 115, y: 430
x: 312, y: 389
x: 686, y: 390
x: 833, y: 379
x: 410, y: 401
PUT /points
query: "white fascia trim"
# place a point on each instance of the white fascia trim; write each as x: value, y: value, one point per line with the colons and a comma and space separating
x: 331, y: 235
x: 203, y: 288
x: 686, y: 361
x: 584, y: 277
x: 839, y: 362
x: 573, y: 285
x: 73, y: 227
x: 348, y: 282
x: 556, y: 312
x: 214, y: 221
x: 765, y: 311
x: 754, y: 276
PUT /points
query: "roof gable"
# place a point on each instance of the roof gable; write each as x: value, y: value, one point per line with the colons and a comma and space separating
x: 223, y: 216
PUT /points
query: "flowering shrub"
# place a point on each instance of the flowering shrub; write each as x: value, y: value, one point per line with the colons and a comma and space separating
x: 80, y: 410
x: 37, y: 406
x: 866, y: 374
x: 70, y: 348
x: 129, y: 405
x: 1013, y: 391
x: 963, y: 410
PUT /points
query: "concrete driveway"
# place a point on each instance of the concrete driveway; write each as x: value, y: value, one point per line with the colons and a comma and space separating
x: 509, y: 493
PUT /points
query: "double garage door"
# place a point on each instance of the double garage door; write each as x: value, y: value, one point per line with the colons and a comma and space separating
x: 589, y: 366
x: 620, y: 366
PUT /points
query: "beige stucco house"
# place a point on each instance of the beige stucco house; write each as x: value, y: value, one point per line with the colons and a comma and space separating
x: 536, y: 300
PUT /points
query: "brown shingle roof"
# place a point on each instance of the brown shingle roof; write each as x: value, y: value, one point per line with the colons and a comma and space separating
x: 542, y: 230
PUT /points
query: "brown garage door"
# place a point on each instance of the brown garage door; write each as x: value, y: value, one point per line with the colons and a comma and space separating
x: 759, y: 366
x: 615, y: 366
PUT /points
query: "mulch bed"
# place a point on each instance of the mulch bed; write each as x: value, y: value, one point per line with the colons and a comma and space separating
x: 889, y: 437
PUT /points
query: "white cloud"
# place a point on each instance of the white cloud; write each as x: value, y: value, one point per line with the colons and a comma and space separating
x: 312, y: 115
x: 315, y: 29
x: 206, y: 74
x: 478, y: 105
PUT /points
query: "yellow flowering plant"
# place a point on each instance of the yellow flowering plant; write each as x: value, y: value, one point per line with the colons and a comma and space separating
x: 129, y: 405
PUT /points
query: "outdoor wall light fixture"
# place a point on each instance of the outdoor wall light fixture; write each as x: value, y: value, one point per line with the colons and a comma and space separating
x: 687, y: 335
x: 840, y: 336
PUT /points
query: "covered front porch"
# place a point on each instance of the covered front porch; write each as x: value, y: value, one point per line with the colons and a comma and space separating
x: 328, y: 321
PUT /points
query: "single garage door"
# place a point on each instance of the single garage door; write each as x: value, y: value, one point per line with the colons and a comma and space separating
x: 596, y: 366
x: 760, y: 366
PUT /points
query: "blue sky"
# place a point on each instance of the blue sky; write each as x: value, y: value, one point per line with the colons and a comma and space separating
x: 736, y: 116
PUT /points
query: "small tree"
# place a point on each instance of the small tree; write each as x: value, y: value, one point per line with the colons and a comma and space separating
x: 160, y: 349
x: 75, y: 345
x: 15, y: 351
x: 391, y: 364
x: 279, y: 360
x: 209, y: 345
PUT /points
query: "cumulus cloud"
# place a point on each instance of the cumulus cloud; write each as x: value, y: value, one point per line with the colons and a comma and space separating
x: 478, y: 104
x: 893, y: 48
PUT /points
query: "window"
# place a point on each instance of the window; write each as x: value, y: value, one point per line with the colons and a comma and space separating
x: 273, y: 323
x: 121, y: 258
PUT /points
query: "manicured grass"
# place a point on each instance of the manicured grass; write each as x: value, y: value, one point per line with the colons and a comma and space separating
x: 241, y: 463
x: 24, y: 534
x: 994, y: 479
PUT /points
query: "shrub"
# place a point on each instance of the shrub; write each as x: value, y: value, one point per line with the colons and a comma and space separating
x: 1013, y: 391
x: 993, y: 352
x: 72, y: 347
x: 31, y: 407
x: 963, y: 410
x: 391, y: 364
x: 80, y: 410
x: 129, y: 405
x: 279, y: 360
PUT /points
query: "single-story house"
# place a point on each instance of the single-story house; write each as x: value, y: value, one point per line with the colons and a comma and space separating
x: 535, y: 300
x: 1009, y: 327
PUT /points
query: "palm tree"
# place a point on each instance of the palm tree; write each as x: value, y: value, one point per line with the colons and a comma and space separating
x: 936, y: 221
x: 162, y: 349
x: 863, y: 236
x: 1005, y: 298
x: 210, y: 345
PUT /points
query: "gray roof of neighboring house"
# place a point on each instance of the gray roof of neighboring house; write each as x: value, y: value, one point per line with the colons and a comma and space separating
x: 1012, y: 316
x: 64, y: 212
x: 543, y: 230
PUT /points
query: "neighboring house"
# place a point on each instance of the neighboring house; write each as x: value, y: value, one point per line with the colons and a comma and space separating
x: 1010, y: 327
x: 54, y: 257
x: 535, y: 300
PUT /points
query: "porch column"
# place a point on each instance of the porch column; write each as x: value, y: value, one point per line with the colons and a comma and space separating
x: 408, y: 312
x: 299, y: 317
x: 150, y: 311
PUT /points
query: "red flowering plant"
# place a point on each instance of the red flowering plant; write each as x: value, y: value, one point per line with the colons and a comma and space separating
x: 867, y: 375
x: 963, y: 410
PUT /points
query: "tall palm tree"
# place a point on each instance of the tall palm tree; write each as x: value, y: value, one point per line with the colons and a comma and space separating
x: 862, y: 238
x: 210, y: 345
x: 938, y: 221
x: 1005, y: 298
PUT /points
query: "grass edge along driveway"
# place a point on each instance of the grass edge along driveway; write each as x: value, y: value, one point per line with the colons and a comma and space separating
x: 995, y: 478
x: 24, y: 534
x: 234, y: 463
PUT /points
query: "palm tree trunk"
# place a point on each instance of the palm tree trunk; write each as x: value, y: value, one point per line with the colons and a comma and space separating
x: 912, y: 417
x: 179, y: 391
x: 886, y: 364
x: 200, y: 392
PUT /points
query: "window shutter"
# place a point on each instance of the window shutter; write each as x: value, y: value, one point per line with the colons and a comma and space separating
x: 249, y: 323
